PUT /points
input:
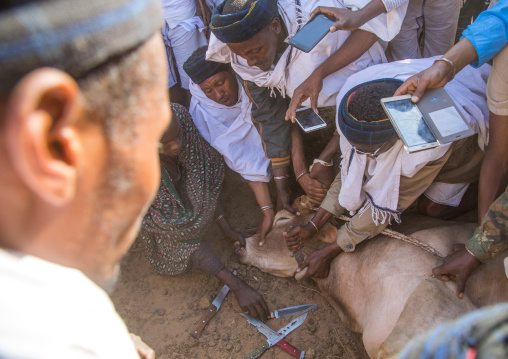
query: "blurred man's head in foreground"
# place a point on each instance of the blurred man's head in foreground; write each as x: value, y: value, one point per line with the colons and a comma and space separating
x: 83, y: 103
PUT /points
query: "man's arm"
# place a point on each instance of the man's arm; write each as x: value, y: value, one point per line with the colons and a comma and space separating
x: 355, y: 45
x: 494, y: 171
x: 314, y: 189
x: 490, y: 239
x: 249, y: 300
x: 346, y: 19
x: 438, y: 75
x: 262, y: 195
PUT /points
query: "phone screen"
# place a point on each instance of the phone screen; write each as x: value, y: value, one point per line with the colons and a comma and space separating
x: 312, y: 32
x: 448, y: 121
x: 307, y: 119
x: 410, y: 122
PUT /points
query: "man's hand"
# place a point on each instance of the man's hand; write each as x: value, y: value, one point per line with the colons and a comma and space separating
x: 144, y: 351
x: 310, y: 88
x: 237, y: 238
x: 251, y: 302
x: 344, y: 19
x: 298, y: 235
x: 457, y: 267
x: 266, y: 224
x: 323, y: 174
x: 435, y: 76
x: 318, y: 263
x: 315, y: 190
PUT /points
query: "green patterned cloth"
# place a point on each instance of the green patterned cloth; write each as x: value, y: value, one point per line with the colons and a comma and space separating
x: 177, y: 220
x: 491, y: 238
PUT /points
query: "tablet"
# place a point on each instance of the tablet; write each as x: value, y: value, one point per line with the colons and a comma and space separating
x: 409, y: 123
x: 443, y: 116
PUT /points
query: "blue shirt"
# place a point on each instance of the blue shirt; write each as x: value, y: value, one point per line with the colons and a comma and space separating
x: 489, y: 32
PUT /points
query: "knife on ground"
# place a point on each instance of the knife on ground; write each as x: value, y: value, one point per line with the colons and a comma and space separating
x: 289, y: 311
x: 211, y: 311
x: 275, y: 338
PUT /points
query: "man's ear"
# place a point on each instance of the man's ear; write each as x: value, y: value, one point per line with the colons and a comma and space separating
x: 275, y: 25
x: 40, y: 133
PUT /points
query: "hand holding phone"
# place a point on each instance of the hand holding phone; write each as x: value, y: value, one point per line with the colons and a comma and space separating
x: 309, y: 120
x: 312, y: 32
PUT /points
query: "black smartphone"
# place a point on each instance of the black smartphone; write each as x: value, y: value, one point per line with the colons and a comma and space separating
x: 312, y: 32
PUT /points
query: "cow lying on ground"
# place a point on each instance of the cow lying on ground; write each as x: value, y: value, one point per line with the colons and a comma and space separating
x: 384, y: 288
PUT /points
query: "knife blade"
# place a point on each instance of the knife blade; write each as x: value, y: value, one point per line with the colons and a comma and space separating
x: 211, y: 311
x: 289, y: 311
x: 273, y: 338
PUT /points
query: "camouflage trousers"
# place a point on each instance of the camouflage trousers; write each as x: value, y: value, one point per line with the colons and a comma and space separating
x: 491, y: 238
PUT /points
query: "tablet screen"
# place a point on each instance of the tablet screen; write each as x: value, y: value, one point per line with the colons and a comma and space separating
x: 410, y: 122
x: 448, y: 121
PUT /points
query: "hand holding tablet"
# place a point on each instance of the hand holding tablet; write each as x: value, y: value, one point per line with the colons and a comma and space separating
x: 433, y: 121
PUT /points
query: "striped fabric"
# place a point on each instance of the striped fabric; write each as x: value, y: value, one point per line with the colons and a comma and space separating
x: 243, y: 25
x: 72, y: 35
x: 199, y: 69
x: 361, y: 132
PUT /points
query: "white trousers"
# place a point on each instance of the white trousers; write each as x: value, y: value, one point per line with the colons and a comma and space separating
x: 180, y: 44
x: 436, y: 18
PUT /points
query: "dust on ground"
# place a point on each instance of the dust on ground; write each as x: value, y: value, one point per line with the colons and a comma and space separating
x: 164, y: 309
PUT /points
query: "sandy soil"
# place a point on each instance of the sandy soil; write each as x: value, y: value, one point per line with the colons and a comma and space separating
x: 163, y: 309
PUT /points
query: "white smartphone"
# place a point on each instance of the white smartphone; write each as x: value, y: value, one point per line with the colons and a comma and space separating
x: 409, y: 123
x: 309, y: 120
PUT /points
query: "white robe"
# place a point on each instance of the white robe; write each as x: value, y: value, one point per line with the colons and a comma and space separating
x: 230, y: 131
x: 301, y: 65
x: 375, y: 182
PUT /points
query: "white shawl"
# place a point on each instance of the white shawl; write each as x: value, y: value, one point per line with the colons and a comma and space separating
x: 230, y: 131
x: 287, y: 78
x: 375, y: 182
x: 386, y: 26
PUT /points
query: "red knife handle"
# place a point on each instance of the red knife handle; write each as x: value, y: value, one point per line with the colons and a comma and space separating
x: 289, y: 348
x: 198, y: 329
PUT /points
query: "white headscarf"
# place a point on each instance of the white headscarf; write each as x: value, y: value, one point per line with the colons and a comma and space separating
x: 230, y: 131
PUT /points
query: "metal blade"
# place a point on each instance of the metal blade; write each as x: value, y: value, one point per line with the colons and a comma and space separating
x: 295, y: 323
x: 217, y: 302
x: 271, y: 336
x: 289, y: 311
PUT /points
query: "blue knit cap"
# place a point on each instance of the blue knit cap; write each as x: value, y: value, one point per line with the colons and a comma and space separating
x: 243, y: 25
x: 75, y: 36
x: 199, y: 69
x: 362, y: 132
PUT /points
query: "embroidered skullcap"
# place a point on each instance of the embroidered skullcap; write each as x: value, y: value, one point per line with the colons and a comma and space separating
x: 242, y: 25
x: 75, y: 36
x: 199, y: 69
x: 360, y: 131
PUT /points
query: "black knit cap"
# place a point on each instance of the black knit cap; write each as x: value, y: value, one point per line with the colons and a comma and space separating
x: 199, y: 69
x: 362, y: 132
x: 75, y: 36
x: 241, y: 26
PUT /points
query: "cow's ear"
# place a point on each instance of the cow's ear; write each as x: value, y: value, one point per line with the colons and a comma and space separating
x: 327, y: 234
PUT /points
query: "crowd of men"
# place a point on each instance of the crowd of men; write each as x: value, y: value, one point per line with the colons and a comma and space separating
x: 94, y: 155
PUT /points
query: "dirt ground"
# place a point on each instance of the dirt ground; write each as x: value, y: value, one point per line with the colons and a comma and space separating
x: 163, y: 309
